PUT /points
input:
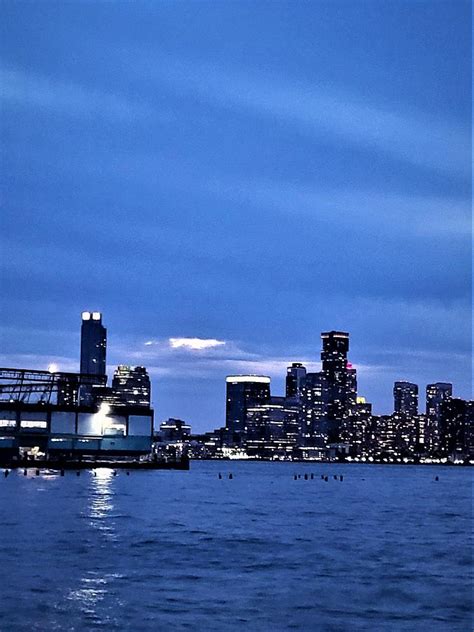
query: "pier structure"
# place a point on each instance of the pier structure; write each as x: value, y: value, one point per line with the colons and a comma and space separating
x: 42, y: 413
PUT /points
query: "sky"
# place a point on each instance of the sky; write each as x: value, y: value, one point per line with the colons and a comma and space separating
x: 226, y: 180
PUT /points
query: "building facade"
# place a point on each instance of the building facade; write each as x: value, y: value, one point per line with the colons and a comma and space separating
x: 295, y: 379
x: 93, y: 354
x: 242, y: 392
x: 272, y: 428
x: 93, y: 344
x: 435, y: 395
x: 334, y: 368
x: 456, y: 426
x: 405, y: 399
x: 314, y: 409
x: 131, y: 386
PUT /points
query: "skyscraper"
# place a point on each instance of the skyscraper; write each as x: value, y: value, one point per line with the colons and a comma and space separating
x: 243, y: 391
x: 295, y: 378
x: 93, y: 352
x: 355, y: 429
x: 93, y: 344
x: 405, y: 399
x: 314, y: 406
x: 334, y: 364
x: 131, y: 386
x: 435, y: 395
x: 456, y: 427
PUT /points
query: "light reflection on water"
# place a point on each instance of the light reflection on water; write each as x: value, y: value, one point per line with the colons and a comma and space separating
x: 101, y: 502
x: 101, y: 493
x: 92, y: 590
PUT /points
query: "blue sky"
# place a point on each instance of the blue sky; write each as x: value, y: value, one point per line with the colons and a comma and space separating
x: 244, y: 173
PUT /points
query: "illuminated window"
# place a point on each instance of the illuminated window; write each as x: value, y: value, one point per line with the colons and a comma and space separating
x: 35, y: 423
x: 7, y: 423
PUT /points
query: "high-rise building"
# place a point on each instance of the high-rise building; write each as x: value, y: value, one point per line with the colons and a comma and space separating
x: 295, y: 378
x: 334, y: 365
x: 435, y: 395
x: 351, y: 389
x: 356, y: 428
x: 131, y: 386
x: 314, y: 407
x: 456, y: 427
x: 405, y: 399
x: 243, y: 391
x: 93, y: 344
x: 93, y: 355
x: 272, y: 428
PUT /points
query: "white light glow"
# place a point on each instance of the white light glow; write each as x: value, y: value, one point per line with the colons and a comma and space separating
x: 53, y: 367
x: 86, y: 315
x: 104, y: 409
x: 96, y: 315
x: 195, y: 344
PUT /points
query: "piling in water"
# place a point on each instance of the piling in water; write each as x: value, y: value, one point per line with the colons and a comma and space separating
x: 230, y: 475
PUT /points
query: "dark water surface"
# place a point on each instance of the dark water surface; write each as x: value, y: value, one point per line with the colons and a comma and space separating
x: 386, y: 549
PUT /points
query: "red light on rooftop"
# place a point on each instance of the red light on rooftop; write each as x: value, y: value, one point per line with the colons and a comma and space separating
x: 349, y: 365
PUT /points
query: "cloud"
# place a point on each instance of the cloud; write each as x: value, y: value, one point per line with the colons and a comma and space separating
x: 71, y: 99
x: 402, y: 133
x: 359, y: 209
x: 195, y: 344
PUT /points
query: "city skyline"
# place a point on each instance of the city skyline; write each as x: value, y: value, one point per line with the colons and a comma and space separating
x: 407, y: 397
x: 223, y: 189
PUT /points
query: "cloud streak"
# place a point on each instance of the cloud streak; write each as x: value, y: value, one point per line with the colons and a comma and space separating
x: 403, y: 133
x: 316, y: 109
x: 22, y: 88
x: 426, y: 215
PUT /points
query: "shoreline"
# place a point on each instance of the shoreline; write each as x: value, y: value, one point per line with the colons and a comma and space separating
x: 334, y: 462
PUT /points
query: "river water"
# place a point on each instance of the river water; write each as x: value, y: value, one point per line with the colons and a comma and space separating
x: 386, y: 549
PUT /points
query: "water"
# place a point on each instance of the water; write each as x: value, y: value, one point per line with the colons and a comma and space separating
x: 387, y: 549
